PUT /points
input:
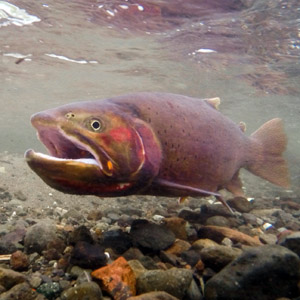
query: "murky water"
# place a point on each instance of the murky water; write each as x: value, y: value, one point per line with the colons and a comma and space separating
x: 55, y: 52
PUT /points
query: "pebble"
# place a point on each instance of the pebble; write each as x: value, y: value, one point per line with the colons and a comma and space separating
x: 174, y: 281
x: 268, y: 272
x: 19, y: 261
x: 240, y: 204
x: 50, y: 290
x: 38, y: 236
x: 86, y: 290
x: 150, y: 237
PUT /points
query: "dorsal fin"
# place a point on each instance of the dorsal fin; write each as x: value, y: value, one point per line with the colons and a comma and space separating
x: 242, y: 126
x: 214, y: 102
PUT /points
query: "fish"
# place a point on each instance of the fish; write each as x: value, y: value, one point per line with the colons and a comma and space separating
x: 151, y: 143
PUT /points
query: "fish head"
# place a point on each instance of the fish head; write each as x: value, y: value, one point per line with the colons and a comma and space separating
x: 94, y: 148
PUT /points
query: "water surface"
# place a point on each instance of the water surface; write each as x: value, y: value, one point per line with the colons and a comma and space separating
x: 246, y: 52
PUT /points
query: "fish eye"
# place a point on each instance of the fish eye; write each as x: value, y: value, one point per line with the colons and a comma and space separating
x: 96, y: 125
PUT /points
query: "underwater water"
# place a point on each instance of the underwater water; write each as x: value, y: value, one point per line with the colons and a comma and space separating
x: 246, y: 52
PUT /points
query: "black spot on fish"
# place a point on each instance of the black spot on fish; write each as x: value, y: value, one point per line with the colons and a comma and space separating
x: 149, y: 120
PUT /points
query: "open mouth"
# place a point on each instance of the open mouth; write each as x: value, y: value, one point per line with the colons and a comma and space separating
x: 67, y: 148
x: 73, y: 166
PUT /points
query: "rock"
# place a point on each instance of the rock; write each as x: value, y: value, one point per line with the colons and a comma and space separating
x: 292, y: 242
x: 178, y: 226
x: 150, y: 237
x: 250, y: 219
x: 117, y: 240
x: 266, y: 272
x: 217, y: 209
x: 218, y: 221
x: 136, y: 267
x: 95, y: 215
x: 118, y: 279
x: 19, y: 261
x: 193, y: 292
x: 20, y: 291
x: 191, y: 257
x: 19, y: 195
x: 86, y: 255
x: 192, y: 216
x: 148, y: 262
x: 86, y: 290
x: 35, y: 280
x: 38, y: 236
x: 174, y: 281
x: 168, y: 258
x: 203, y: 243
x: 178, y: 247
x: 9, y: 278
x: 154, y: 296
x: 133, y: 253
x: 287, y: 220
x: 217, y: 234
x: 74, y: 214
x: 10, y: 242
x: 240, y: 204
x: 217, y: 257
x: 50, y: 290
x: 268, y: 238
x: 81, y: 234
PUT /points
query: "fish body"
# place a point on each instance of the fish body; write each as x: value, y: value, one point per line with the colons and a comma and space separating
x: 153, y: 144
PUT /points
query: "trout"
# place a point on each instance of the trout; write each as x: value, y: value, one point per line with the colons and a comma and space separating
x: 153, y: 144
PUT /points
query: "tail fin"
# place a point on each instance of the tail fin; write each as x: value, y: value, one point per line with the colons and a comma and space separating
x: 267, y: 162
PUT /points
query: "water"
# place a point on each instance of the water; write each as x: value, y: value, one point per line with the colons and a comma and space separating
x: 246, y: 52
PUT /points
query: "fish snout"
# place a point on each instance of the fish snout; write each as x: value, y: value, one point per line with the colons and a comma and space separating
x: 42, y: 119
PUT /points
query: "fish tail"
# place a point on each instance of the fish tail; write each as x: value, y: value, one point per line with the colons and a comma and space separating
x: 269, y: 142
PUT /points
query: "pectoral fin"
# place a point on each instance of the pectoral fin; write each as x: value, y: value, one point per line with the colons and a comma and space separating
x: 184, y: 189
